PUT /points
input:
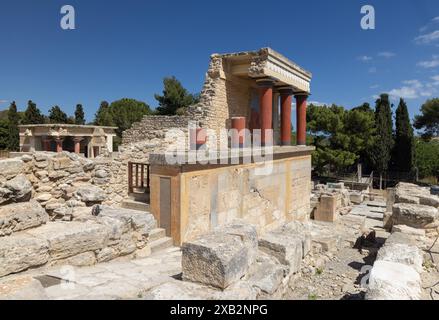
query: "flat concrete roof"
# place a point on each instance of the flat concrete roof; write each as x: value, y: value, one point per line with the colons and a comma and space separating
x: 57, y: 125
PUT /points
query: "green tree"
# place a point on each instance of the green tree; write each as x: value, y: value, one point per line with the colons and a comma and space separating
x: 429, y: 119
x: 341, y: 137
x: 382, y: 149
x: 427, y: 155
x: 4, y: 134
x: 79, y: 115
x: 56, y: 115
x: 103, y: 116
x: 125, y: 112
x: 33, y: 115
x: 175, y: 98
x: 404, y: 150
x: 13, y: 132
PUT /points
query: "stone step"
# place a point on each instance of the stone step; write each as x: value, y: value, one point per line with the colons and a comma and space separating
x: 135, y: 205
x: 156, y: 234
x: 160, y: 244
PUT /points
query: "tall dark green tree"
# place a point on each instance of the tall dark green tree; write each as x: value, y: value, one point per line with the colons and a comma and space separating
x: 382, y: 149
x: 13, y: 132
x: 33, y: 115
x: 103, y: 116
x: 126, y: 111
x: 175, y: 98
x: 56, y: 115
x: 404, y: 150
x: 79, y: 115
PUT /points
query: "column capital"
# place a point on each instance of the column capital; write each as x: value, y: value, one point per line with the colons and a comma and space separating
x: 265, y: 82
x: 302, y: 94
x: 286, y: 91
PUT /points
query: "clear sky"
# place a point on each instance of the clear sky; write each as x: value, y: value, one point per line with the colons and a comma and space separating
x: 125, y: 48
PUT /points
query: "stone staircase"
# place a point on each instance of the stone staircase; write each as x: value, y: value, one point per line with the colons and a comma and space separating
x: 135, y: 205
x: 158, y: 240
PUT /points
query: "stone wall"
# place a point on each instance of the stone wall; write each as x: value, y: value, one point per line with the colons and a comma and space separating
x: 153, y: 127
x: 212, y: 198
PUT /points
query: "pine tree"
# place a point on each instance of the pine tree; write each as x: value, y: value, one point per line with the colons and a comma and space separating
x: 79, y: 115
x: 33, y: 115
x: 175, y: 98
x: 404, y: 151
x: 382, y: 149
x: 56, y: 115
x: 13, y: 132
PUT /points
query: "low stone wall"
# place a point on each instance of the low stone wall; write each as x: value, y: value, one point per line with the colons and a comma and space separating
x: 88, y: 239
x: 206, y: 197
x: 153, y: 127
x: 416, y: 207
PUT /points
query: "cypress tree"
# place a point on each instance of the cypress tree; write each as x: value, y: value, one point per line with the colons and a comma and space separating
x: 33, y: 115
x: 56, y: 115
x: 13, y: 132
x: 404, y: 151
x: 383, y: 146
x: 79, y: 115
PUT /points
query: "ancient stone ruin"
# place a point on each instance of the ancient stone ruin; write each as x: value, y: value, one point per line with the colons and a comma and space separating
x: 132, y: 225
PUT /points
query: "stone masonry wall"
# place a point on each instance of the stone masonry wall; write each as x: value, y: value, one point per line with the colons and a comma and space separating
x: 217, y: 197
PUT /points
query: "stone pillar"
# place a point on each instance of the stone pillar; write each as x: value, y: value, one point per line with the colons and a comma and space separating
x: 276, y: 118
x: 59, y: 144
x: 286, y: 99
x: 265, y: 110
x: 46, y: 144
x: 238, y: 138
x: 77, y: 141
x: 301, y: 118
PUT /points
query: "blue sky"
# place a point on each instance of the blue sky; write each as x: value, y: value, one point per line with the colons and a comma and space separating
x: 125, y: 48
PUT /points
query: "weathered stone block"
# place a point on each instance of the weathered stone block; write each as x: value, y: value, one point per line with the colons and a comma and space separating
x: 140, y: 221
x: 11, y: 167
x: 393, y: 281
x: 414, y: 215
x: 67, y: 239
x: 20, y: 252
x: 90, y: 194
x: 286, y: 248
x: 215, y: 259
x: 21, y: 216
x: 402, y: 253
x: 20, y: 189
x: 326, y: 209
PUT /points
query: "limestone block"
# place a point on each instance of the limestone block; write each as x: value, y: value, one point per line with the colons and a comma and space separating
x: 20, y: 187
x: 356, y: 197
x: 19, y: 252
x: 67, y: 239
x: 326, y: 209
x: 106, y: 254
x: 80, y: 260
x: 21, y: 216
x: 216, y: 259
x: 408, y: 230
x: 267, y: 276
x: 285, y: 247
x: 137, y: 220
x: 90, y: 194
x: 429, y: 200
x: 393, y: 281
x: 414, y: 215
x: 402, y: 253
x: 247, y: 233
x: 405, y: 198
x: 22, y: 288
x: 11, y: 167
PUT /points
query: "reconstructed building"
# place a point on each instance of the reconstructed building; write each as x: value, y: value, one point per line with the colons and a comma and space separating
x: 245, y: 90
x: 82, y: 139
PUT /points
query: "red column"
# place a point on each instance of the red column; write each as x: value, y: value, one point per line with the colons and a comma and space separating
x: 238, y: 138
x: 265, y: 111
x: 285, y: 114
x: 301, y: 118
x: 59, y: 144
x: 77, y: 142
x: 46, y: 144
